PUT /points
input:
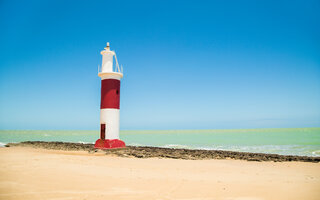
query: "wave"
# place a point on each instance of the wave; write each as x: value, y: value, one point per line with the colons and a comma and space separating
x: 2, y: 144
x: 81, y: 142
x: 176, y: 146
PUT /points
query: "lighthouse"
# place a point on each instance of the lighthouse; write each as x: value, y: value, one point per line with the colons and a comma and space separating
x: 110, y: 101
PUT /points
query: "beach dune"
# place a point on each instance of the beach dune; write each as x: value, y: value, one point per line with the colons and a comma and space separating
x: 36, y: 173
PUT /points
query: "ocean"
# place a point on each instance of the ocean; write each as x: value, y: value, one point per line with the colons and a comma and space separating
x: 284, y: 141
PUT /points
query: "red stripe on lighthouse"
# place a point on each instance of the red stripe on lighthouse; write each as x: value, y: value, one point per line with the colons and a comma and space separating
x: 110, y: 93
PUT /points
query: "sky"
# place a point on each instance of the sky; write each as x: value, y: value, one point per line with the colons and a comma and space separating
x: 187, y: 64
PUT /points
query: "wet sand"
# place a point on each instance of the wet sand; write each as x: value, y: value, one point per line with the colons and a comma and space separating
x: 156, y: 152
x: 48, y: 171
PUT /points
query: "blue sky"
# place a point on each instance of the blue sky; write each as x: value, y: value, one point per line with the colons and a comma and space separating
x: 187, y: 64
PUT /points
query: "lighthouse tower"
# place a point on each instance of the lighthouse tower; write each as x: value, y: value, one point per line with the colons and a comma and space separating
x: 110, y: 101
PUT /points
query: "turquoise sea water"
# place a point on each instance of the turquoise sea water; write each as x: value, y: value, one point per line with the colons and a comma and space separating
x: 294, y: 141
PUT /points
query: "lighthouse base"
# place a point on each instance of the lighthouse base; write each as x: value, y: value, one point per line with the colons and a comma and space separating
x: 109, y: 144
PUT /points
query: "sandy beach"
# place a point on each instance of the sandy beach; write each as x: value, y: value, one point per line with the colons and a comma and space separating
x: 37, y: 173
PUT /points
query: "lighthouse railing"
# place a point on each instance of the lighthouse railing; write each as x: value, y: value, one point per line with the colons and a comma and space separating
x: 117, y: 69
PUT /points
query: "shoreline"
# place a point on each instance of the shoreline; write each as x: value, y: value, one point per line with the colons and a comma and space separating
x: 159, y: 152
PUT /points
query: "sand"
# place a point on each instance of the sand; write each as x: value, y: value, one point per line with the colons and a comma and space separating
x: 36, y: 173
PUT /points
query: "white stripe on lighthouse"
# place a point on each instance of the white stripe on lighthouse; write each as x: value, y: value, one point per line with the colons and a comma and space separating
x: 112, y: 75
x: 110, y: 117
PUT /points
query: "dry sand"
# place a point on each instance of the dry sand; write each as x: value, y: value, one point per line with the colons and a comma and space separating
x: 30, y: 173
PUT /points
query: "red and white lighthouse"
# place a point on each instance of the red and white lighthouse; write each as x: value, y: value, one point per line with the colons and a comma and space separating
x: 110, y: 102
